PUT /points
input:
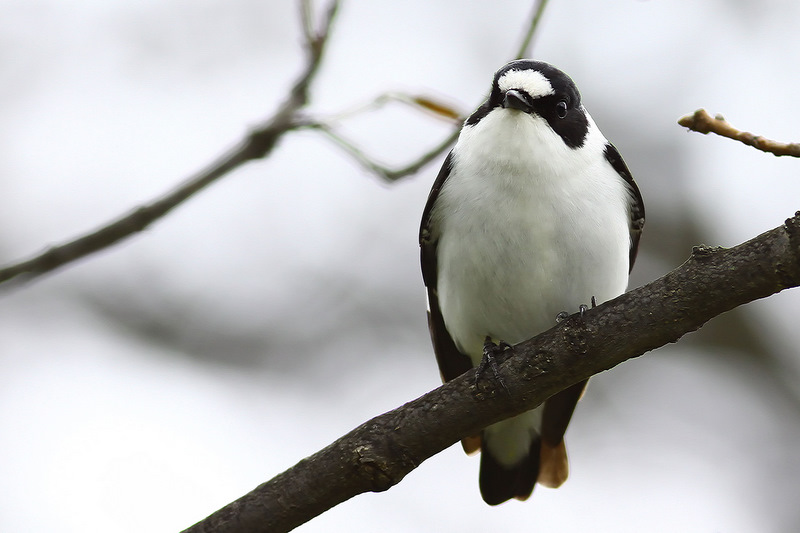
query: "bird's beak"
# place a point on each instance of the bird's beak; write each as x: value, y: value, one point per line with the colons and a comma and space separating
x: 516, y: 99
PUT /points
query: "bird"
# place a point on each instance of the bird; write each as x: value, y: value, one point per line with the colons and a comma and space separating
x: 533, y: 212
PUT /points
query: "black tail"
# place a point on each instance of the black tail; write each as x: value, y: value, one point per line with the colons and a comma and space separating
x: 499, y: 483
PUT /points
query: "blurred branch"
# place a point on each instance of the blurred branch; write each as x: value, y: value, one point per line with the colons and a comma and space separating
x: 370, y: 164
x: 258, y: 144
x: 524, y: 49
x: 701, y: 122
x: 445, y: 111
x: 379, y: 453
x: 436, y: 107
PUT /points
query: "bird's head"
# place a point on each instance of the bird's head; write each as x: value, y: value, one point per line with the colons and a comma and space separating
x: 542, y: 91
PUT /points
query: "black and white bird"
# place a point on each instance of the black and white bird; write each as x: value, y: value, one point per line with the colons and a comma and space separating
x: 533, y: 212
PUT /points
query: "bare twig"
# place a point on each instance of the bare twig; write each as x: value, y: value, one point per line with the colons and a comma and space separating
x: 388, y: 174
x: 524, y: 49
x: 258, y: 143
x: 380, y: 170
x: 438, y: 108
x: 432, y: 106
x: 701, y: 122
x: 379, y: 453
x: 435, y: 108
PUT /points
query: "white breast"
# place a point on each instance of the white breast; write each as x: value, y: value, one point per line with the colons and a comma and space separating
x: 527, y: 228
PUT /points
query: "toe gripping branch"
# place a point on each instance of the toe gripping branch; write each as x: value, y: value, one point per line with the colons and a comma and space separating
x: 563, y: 315
x: 491, y: 353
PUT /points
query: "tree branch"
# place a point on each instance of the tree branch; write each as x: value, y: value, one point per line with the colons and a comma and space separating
x: 379, y: 453
x: 390, y: 175
x: 258, y: 144
x: 701, y: 122
x: 369, y: 164
x: 524, y: 49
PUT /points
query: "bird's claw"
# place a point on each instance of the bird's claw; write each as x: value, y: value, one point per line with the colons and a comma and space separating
x: 491, y: 352
x: 582, y: 308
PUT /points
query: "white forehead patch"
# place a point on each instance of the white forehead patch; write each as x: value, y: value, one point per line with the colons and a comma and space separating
x: 532, y: 82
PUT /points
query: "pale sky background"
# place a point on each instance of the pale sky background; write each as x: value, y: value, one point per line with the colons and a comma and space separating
x: 150, y: 384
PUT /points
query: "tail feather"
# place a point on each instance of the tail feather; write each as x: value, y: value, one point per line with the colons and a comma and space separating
x: 471, y: 444
x: 554, y: 468
x: 499, y: 483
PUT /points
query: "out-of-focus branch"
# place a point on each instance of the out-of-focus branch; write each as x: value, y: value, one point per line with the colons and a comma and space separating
x: 378, y: 454
x: 373, y: 166
x: 524, y: 49
x: 258, y: 144
x: 439, y: 109
x: 434, y: 106
x: 701, y: 122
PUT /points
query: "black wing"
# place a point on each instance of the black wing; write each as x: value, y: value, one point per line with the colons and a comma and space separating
x: 636, y: 205
x: 452, y: 363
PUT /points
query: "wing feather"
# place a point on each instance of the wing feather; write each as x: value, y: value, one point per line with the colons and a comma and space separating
x: 636, y: 207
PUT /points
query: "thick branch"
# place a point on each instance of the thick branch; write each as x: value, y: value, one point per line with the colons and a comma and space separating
x: 258, y: 144
x: 380, y: 452
x: 701, y: 122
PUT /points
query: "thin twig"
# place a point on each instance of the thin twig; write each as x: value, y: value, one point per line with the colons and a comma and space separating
x: 391, y: 175
x: 701, y: 122
x: 258, y: 143
x: 430, y: 105
x: 436, y: 151
x: 306, y: 19
x: 524, y: 49
x: 371, y: 165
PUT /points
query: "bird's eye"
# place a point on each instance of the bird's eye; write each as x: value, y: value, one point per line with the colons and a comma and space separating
x: 561, y: 108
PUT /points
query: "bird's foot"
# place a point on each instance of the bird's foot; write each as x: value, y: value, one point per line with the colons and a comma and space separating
x: 563, y: 315
x: 491, y: 353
